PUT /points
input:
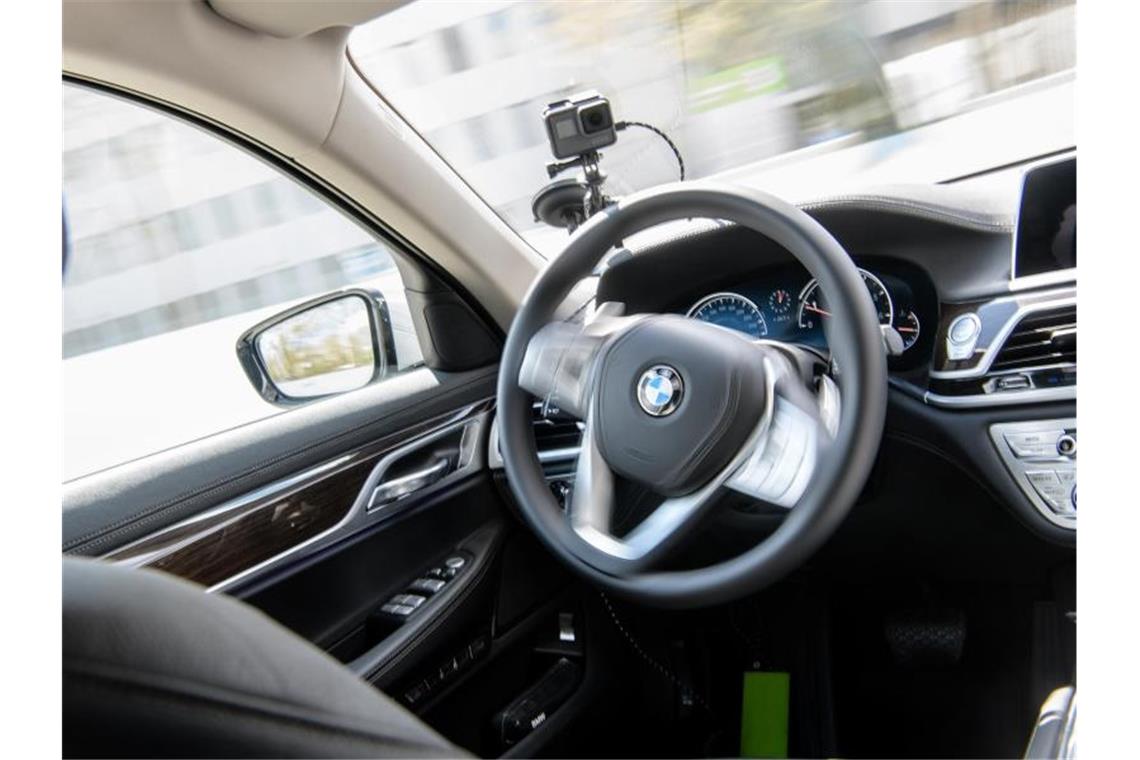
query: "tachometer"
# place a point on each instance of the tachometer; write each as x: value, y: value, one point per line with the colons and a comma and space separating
x: 814, y: 309
x: 908, y: 327
x: 731, y: 310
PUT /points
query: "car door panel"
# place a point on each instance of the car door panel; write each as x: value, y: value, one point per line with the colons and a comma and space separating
x: 109, y: 510
x: 305, y: 548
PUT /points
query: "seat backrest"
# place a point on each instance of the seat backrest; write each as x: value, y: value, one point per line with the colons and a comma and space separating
x: 154, y: 666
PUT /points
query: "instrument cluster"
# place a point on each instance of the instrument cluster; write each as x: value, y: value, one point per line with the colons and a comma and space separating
x: 787, y: 306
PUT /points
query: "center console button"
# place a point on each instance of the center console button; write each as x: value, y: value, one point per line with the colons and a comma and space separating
x: 962, y: 336
x: 1036, y: 444
x: 1049, y: 488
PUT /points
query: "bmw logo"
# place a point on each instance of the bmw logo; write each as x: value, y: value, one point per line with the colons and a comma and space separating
x: 659, y: 390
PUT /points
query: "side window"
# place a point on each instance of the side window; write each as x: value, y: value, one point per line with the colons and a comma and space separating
x: 179, y: 243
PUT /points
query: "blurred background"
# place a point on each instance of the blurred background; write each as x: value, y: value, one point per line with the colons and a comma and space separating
x: 745, y: 88
x: 181, y: 241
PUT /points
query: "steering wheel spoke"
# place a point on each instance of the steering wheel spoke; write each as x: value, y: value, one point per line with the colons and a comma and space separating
x: 559, y: 359
x: 783, y: 460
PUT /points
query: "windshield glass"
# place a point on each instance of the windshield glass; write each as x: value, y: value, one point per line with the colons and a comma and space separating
x: 802, y: 99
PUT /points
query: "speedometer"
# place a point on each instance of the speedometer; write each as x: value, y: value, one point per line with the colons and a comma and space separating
x: 814, y: 308
x: 733, y: 311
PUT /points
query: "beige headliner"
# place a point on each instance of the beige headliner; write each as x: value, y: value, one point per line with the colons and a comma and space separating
x: 300, y: 97
x: 296, y: 18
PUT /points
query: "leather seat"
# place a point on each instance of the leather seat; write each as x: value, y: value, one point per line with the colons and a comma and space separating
x: 152, y: 666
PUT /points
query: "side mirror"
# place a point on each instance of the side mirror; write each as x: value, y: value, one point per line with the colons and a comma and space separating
x: 332, y: 344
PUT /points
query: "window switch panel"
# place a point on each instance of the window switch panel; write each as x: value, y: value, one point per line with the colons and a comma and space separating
x: 427, y: 586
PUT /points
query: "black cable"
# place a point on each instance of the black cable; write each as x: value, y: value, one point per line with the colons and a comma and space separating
x: 662, y: 669
x: 672, y: 146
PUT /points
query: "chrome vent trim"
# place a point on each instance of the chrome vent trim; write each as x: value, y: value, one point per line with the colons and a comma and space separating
x: 1059, y: 299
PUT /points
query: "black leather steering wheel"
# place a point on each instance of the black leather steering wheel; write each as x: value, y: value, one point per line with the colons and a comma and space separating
x: 689, y: 409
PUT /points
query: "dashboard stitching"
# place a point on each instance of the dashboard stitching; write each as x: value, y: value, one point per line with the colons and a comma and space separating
x: 921, y: 210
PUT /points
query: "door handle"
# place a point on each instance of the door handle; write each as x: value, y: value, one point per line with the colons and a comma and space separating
x: 405, y: 485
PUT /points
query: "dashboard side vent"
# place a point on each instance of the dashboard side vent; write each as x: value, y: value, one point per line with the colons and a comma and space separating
x: 553, y: 432
x: 1040, y: 339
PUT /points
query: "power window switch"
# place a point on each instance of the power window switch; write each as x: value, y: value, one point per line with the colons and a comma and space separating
x: 416, y: 693
x: 427, y: 586
x: 478, y: 647
x: 398, y: 610
x: 408, y: 600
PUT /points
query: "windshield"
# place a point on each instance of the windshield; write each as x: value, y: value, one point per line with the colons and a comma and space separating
x: 802, y: 99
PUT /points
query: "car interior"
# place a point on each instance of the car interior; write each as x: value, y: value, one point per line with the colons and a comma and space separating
x: 591, y: 521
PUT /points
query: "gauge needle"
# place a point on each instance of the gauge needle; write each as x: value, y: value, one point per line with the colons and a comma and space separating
x: 906, y: 329
x: 817, y: 310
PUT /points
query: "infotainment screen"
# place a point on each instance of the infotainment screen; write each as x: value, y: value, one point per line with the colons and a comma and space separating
x: 1047, y: 220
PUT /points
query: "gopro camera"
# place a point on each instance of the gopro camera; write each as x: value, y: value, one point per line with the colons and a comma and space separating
x: 580, y: 124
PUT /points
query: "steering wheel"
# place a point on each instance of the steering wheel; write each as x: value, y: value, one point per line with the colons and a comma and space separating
x: 687, y: 409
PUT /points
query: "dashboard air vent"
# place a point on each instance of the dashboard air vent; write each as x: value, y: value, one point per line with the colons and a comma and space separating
x: 1041, y: 339
x: 553, y: 432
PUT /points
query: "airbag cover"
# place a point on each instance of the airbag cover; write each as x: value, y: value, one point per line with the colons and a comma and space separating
x: 721, y: 402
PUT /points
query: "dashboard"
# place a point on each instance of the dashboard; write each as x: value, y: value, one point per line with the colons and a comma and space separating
x: 981, y: 291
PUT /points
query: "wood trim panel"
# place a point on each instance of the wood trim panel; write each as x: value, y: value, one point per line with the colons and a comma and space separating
x: 265, y: 531
x: 221, y: 543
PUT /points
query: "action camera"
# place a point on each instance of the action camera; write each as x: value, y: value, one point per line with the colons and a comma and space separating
x: 580, y: 124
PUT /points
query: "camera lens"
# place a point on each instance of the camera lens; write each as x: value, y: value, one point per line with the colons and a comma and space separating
x: 596, y: 118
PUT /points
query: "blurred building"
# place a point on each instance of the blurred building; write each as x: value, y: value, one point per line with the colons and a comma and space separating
x: 171, y: 227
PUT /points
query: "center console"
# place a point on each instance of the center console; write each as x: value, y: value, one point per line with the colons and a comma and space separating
x: 1041, y: 455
